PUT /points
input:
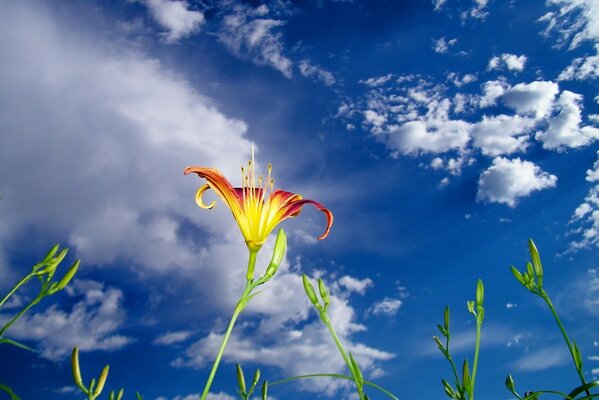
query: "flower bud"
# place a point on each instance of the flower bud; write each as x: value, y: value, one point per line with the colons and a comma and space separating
x: 324, y: 294
x: 309, y: 290
x: 480, y: 292
x: 277, y: 254
x: 75, y: 367
x: 240, y: 378
x: 101, y: 381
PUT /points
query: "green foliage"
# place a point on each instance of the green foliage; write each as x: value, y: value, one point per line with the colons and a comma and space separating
x: 44, y: 271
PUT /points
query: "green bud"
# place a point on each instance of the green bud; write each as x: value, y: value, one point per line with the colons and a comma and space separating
x: 480, y: 293
x: 449, y: 389
x: 52, y: 251
x: 139, y: 396
x: 277, y: 254
x: 92, y: 384
x: 530, y: 270
x: 509, y: 383
x: 68, y: 276
x: 256, y: 378
x: 101, y: 381
x: 536, y: 259
x: 466, y: 376
x: 446, y: 320
x: 240, y: 379
x: 442, y: 330
x: 324, y: 294
x: 264, y: 390
x: 119, y: 395
x: 75, y: 367
x: 439, y: 344
x: 309, y: 290
x: 517, y: 274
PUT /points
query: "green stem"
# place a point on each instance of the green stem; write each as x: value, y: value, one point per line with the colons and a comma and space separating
x: 475, y: 364
x: 545, y: 297
x: 245, y: 297
x: 327, y: 322
x: 16, y: 317
x: 450, y: 359
x: 251, y: 263
x: 14, y: 289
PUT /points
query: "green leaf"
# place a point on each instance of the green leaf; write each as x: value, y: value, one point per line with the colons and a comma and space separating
x: 442, y: 330
x: 309, y: 290
x: 470, y: 305
x: 577, y: 356
x: 357, y: 373
x: 440, y: 345
x: 17, y: 344
x: 8, y: 390
x: 480, y: 292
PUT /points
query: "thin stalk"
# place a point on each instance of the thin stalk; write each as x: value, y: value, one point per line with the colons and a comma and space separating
x: 545, y: 297
x: 450, y: 359
x: 475, y: 363
x: 327, y: 322
x: 238, y: 309
x: 16, y: 317
x: 14, y: 289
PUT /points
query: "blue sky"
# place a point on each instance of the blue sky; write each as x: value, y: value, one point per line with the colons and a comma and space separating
x: 442, y: 135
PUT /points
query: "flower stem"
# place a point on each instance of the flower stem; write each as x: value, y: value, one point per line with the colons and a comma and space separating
x: 475, y: 363
x: 327, y: 322
x: 14, y: 289
x: 243, y: 300
x: 545, y: 297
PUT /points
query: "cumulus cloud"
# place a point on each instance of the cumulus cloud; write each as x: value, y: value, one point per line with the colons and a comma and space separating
x: 492, y: 90
x: 534, y: 98
x: 565, y: 130
x: 502, y: 134
x: 428, y: 137
x: 510, y: 61
x: 112, y: 132
x: 387, y: 306
x: 506, y: 181
x: 173, y: 337
x: 250, y: 34
x: 91, y: 324
x: 377, y: 81
x: 176, y: 17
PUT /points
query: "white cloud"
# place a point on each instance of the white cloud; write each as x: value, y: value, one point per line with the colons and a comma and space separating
x: 387, y: 306
x: 428, y: 137
x: 593, y: 174
x: 582, y: 68
x: 502, y: 134
x: 575, y: 21
x: 355, y: 285
x: 91, y: 324
x: 492, y: 90
x: 248, y: 34
x: 175, y: 16
x: 377, y: 81
x: 112, y: 133
x: 442, y: 45
x: 478, y: 10
x: 564, y: 130
x: 173, y: 337
x: 460, y: 81
x: 438, y: 4
x: 506, y: 181
x: 531, y: 98
x: 586, y: 216
x: 511, y: 61
x: 309, y: 70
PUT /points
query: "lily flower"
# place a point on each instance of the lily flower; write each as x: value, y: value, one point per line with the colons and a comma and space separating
x: 256, y: 207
